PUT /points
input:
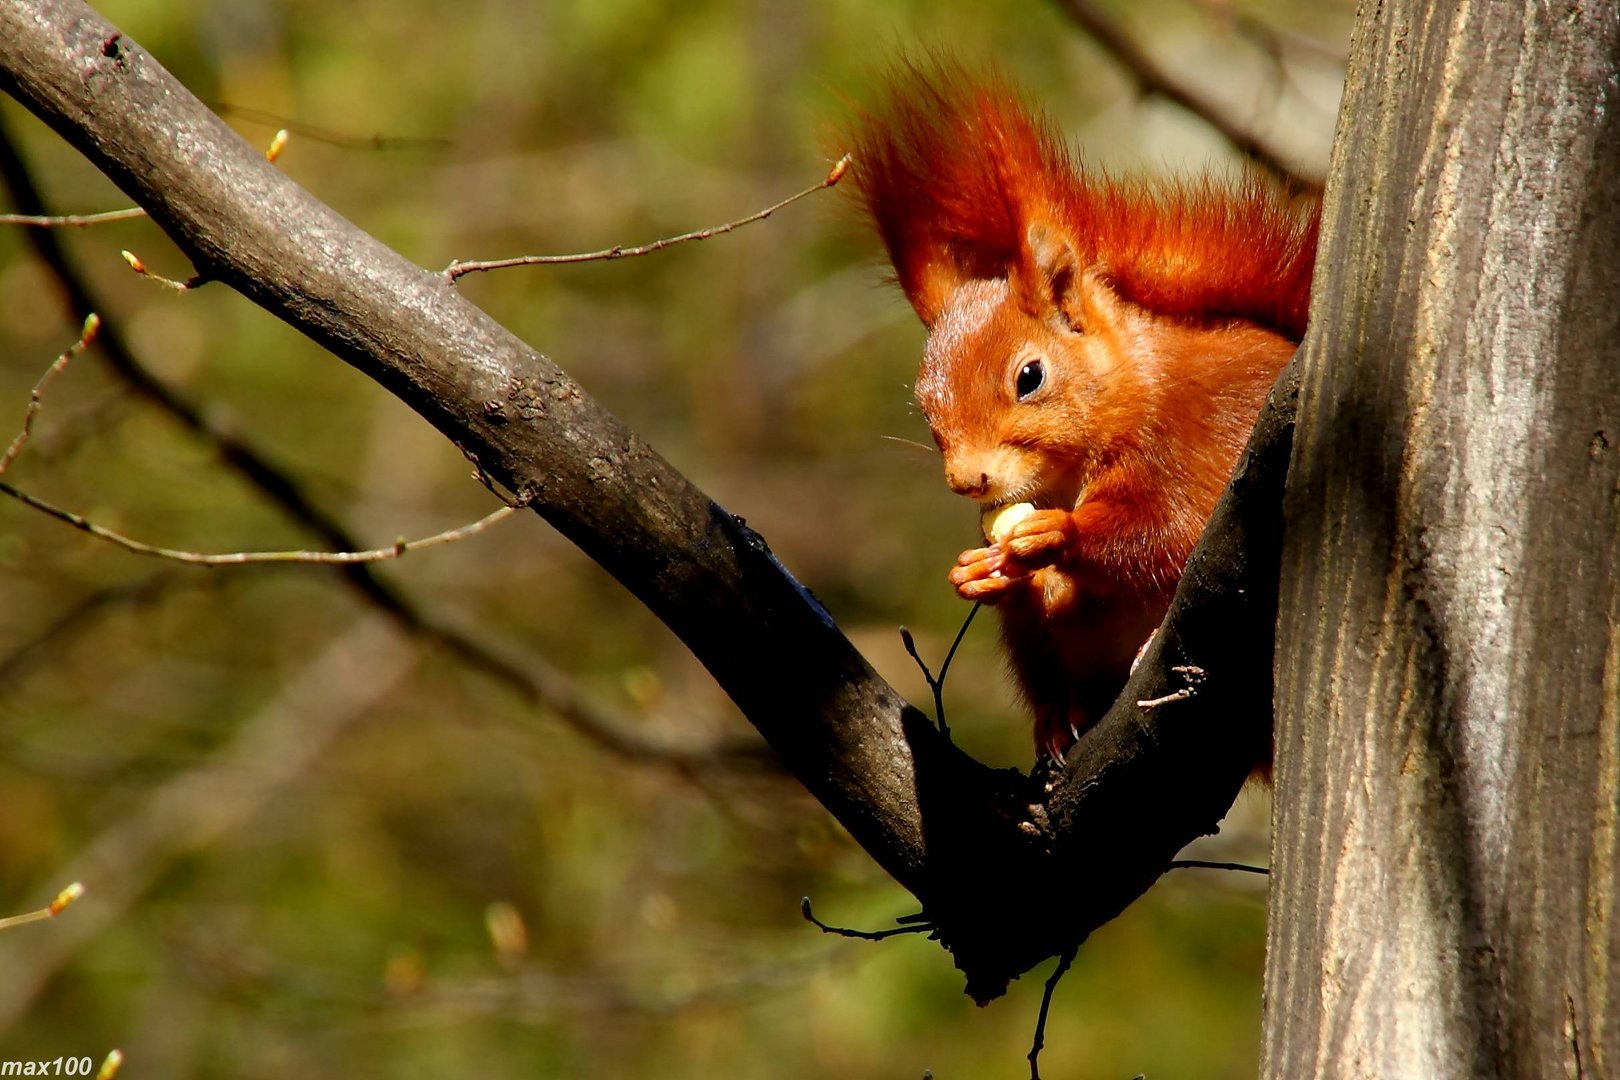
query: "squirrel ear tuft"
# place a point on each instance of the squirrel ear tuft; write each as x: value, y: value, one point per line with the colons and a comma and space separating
x: 1051, y: 280
x: 1048, y: 273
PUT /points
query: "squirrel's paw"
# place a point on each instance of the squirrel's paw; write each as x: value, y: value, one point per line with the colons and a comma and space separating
x: 1039, y: 540
x: 981, y: 574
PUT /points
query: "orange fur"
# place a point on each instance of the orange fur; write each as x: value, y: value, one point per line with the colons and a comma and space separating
x: 1098, y: 348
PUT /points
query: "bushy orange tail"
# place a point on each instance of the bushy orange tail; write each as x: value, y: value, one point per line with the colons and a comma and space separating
x: 954, y: 169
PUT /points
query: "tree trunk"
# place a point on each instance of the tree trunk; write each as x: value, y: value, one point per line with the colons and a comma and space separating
x: 1448, y: 660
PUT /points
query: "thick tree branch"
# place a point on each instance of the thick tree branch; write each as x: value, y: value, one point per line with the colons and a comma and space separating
x: 979, y: 847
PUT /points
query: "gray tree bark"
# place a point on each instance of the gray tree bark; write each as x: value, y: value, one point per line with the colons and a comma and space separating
x: 1448, y: 667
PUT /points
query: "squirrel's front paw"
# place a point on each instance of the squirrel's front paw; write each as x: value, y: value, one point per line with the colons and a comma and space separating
x: 1038, y: 540
x: 981, y: 574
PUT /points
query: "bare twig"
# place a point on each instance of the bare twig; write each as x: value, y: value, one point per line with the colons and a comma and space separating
x: 913, y: 924
x: 49, y: 911
x: 1202, y: 864
x: 278, y: 143
x: 1153, y: 80
x: 1281, y: 39
x: 135, y: 264
x: 1194, y: 676
x: 1274, y: 44
x: 1273, y: 40
x: 244, y: 558
x: 92, y: 326
x: 531, y: 992
x: 937, y: 685
x: 458, y: 268
x: 1039, y: 1042
x: 72, y: 221
x: 1168, y: 699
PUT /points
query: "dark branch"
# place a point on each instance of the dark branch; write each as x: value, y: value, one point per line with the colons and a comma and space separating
x: 910, y: 924
x: 1205, y: 864
x: 936, y: 683
x: 1039, y: 1042
x: 986, y: 851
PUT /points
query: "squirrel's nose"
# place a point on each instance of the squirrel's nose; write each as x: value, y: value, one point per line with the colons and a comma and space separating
x: 968, y: 482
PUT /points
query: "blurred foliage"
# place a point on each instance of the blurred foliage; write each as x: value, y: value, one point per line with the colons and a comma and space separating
x: 315, y: 906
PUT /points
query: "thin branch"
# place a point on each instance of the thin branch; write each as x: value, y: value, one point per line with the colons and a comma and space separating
x: 75, y: 423
x: 1201, y: 864
x: 92, y: 326
x: 194, y: 282
x: 458, y: 268
x: 245, y: 558
x: 16, y: 663
x: 1168, y: 699
x: 913, y: 924
x: 1039, y: 1042
x: 72, y: 221
x: 1192, y: 673
x: 278, y: 143
x: 937, y: 685
x: 1154, y: 81
x: 49, y: 911
x: 1274, y: 40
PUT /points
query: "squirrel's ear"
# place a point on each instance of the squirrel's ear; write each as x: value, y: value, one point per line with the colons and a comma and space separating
x: 1048, y: 273
x: 1052, y: 281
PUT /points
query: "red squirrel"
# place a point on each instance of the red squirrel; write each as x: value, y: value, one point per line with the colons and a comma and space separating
x: 1098, y: 348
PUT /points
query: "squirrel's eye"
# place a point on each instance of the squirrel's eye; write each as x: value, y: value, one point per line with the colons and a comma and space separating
x: 1030, y: 378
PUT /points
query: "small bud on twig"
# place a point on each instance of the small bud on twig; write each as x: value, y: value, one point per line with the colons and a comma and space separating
x: 49, y: 911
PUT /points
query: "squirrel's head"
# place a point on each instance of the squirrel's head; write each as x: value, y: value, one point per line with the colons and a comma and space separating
x: 1052, y: 293
x: 1030, y: 382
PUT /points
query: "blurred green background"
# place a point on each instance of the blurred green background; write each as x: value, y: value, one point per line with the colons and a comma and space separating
x: 298, y: 825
